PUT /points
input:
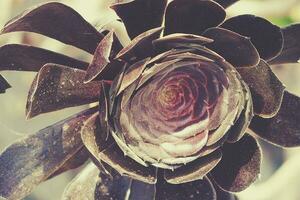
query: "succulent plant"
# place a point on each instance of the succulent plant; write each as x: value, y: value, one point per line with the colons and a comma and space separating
x: 179, y: 107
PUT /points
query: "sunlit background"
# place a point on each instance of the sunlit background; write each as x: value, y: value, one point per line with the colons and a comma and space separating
x: 280, y: 177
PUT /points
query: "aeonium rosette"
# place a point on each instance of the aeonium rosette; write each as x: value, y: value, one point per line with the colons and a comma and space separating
x: 174, y: 102
x: 179, y: 105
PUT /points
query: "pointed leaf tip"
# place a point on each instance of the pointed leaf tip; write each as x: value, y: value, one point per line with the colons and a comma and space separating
x: 101, y: 58
x: 141, y: 46
x: 4, y: 85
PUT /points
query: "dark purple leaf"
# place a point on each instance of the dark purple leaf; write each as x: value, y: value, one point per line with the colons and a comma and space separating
x: 77, y: 160
x: 57, y: 21
x: 140, y: 15
x: 141, y: 46
x: 236, y: 49
x: 101, y: 58
x: 116, y: 46
x: 284, y: 128
x: 20, y: 57
x: 4, y: 85
x: 111, y: 71
x: 192, y: 16
x: 266, y: 89
x: 32, y: 160
x: 56, y: 87
x: 266, y: 37
x: 240, y: 165
x: 291, y: 45
x: 141, y: 191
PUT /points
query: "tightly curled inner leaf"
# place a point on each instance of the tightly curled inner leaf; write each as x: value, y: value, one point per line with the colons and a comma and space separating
x: 176, y: 107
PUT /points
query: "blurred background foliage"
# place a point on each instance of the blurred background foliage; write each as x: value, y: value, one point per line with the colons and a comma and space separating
x: 280, y: 177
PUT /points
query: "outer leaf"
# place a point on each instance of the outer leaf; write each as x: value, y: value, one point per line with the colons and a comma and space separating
x: 192, y: 16
x: 266, y: 37
x: 141, y: 191
x: 195, y: 170
x: 27, y: 58
x: 284, y: 128
x: 141, y: 46
x: 32, y: 160
x: 291, y: 46
x: 201, y: 189
x: 56, y: 87
x: 266, y: 89
x: 4, y: 85
x: 226, y: 43
x: 77, y: 160
x: 240, y: 165
x: 140, y: 15
x: 57, y: 21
